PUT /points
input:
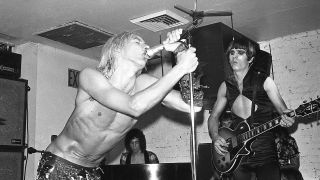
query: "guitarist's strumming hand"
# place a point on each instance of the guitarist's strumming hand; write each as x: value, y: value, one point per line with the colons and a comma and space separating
x: 286, y: 118
x: 220, y: 145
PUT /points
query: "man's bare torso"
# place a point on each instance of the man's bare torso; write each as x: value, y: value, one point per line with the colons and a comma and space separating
x: 91, y: 131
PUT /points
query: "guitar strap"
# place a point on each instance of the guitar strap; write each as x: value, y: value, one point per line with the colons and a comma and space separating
x: 254, y: 93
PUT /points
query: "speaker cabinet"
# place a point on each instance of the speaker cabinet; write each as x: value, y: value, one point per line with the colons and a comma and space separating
x: 10, y: 64
x: 211, y: 42
x: 13, y: 95
x: 262, y: 62
x: 11, y: 166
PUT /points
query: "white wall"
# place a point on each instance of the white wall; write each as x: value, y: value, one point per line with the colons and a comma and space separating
x: 296, y: 60
x: 29, y: 72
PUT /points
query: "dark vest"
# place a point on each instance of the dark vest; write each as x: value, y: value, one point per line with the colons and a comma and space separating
x: 264, y: 145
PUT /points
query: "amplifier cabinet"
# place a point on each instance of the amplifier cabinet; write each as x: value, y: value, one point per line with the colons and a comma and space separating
x: 13, y: 103
x: 10, y: 64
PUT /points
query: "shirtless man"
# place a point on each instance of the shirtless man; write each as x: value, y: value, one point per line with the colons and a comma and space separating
x: 108, y: 101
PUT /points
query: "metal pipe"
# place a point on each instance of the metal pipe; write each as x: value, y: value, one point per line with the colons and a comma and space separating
x: 193, y: 139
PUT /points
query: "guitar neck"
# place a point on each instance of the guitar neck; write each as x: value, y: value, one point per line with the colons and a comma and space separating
x: 305, y: 109
x: 248, y: 135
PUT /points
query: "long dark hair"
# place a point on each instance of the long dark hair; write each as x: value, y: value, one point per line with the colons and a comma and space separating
x: 135, y: 133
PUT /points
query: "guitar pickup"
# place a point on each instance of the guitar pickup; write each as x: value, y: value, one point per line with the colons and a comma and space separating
x: 232, y: 142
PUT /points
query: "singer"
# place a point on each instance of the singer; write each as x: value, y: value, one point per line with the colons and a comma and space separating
x: 108, y: 101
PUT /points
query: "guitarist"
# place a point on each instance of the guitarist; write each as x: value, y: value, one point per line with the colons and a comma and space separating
x: 237, y: 93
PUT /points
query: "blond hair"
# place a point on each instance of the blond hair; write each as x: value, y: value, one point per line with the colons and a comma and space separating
x: 110, y: 50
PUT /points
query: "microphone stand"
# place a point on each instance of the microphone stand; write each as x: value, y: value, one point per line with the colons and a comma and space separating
x: 197, y: 17
x: 193, y: 140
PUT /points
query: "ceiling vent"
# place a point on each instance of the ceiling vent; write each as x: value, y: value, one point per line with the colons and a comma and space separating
x: 160, y: 21
x: 77, y: 34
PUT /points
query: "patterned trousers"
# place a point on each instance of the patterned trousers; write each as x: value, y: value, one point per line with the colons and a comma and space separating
x: 52, y: 167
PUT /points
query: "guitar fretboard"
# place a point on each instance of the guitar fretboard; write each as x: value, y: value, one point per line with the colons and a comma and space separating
x: 302, y: 111
x: 259, y: 130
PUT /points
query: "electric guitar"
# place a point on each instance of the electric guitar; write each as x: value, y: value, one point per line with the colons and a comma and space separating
x: 240, y: 139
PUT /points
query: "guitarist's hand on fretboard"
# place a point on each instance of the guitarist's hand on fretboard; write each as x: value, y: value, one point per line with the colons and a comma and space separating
x: 220, y: 145
x: 287, y: 118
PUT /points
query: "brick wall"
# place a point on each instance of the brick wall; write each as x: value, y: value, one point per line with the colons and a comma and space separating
x: 296, y: 65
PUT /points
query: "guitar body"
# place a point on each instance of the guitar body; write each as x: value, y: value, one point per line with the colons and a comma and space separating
x: 236, y: 149
x: 240, y: 139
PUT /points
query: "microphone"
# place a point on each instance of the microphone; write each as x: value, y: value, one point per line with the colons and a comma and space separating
x: 32, y: 150
x: 151, y: 52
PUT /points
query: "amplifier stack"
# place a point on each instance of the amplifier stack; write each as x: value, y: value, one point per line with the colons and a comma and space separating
x: 13, y: 105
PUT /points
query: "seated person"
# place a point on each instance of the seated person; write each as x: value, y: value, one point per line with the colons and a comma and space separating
x: 225, y: 119
x: 136, y: 153
x: 288, y: 155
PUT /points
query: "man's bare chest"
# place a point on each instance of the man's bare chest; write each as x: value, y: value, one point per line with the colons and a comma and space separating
x: 242, y: 106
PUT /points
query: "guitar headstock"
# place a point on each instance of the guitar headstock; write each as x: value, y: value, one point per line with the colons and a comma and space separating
x: 308, y: 107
